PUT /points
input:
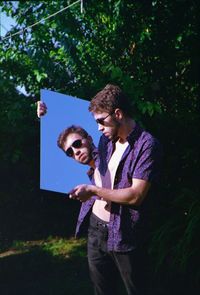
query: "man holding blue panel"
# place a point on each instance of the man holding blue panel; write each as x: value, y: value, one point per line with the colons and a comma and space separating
x: 118, y: 202
x: 126, y: 178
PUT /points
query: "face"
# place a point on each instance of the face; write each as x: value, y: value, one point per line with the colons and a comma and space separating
x: 107, y: 124
x: 79, y: 148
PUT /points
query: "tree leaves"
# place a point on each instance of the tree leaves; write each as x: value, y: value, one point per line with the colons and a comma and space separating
x: 39, y: 76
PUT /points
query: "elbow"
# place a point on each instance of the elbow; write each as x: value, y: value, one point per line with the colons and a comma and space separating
x: 136, y: 200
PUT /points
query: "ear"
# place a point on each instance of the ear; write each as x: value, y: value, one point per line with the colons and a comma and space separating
x: 119, y: 114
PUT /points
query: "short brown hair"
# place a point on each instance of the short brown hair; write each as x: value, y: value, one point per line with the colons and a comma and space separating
x: 71, y: 129
x: 110, y: 98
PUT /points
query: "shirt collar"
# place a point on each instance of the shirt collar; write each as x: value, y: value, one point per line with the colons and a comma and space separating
x: 90, y: 172
x: 131, y: 138
x: 134, y: 135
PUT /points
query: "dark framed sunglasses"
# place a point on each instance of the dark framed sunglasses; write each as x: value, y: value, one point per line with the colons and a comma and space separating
x: 76, y: 144
x: 101, y: 120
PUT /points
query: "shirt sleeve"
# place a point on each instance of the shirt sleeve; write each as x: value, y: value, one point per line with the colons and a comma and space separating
x: 148, y: 166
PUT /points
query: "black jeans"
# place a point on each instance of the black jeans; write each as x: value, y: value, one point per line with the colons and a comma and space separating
x: 105, y: 266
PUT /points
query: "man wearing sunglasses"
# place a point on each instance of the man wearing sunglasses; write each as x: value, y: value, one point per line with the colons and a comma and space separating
x: 118, y: 202
x: 77, y: 144
x: 125, y: 186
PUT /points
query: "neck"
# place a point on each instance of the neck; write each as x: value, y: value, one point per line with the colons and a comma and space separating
x: 127, y: 126
x: 92, y: 164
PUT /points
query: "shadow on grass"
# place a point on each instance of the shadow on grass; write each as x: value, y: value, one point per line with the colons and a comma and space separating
x: 36, y: 216
x: 37, y: 272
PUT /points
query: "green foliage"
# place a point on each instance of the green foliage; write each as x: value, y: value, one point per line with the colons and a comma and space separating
x: 64, y: 247
x: 71, y: 51
x: 175, y: 239
x: 32, y: 269
x: 54, y: 246
x: 16, y: 123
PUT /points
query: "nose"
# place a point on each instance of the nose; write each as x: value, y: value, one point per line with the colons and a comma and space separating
x: 100, y: 127
x: 76, y: 151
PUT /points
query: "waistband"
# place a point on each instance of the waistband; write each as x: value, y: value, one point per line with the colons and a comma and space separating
x: 97, y: 222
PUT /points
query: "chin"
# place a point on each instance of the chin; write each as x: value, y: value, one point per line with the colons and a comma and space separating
x: 112, y: 136
x: 85, y: 162
x: 108, y: 135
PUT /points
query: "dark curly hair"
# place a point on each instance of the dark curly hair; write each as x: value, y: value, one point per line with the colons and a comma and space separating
x: 110, y: 98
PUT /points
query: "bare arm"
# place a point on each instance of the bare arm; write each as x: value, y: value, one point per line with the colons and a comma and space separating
x: 133, y: 195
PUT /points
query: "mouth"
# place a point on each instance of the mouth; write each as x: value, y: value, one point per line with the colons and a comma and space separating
x: 107, y: 134
x: 81, y: 158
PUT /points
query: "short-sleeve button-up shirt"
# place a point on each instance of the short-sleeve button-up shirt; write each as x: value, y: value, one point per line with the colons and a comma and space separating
x: 141, y: 160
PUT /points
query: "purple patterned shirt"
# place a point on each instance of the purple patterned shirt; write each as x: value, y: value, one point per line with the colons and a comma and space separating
x: 141, y: 160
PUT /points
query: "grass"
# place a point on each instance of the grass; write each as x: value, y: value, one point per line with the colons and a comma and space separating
x: 55, y: 266
x: 65, y: 248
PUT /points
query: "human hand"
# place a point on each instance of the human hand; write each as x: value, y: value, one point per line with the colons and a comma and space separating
x: 41, y: 108
x: 82, y: 192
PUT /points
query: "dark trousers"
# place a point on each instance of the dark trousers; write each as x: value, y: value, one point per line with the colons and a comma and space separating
x: 105, y: 266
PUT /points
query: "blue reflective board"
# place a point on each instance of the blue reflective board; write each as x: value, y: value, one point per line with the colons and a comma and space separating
x: 59, y: 173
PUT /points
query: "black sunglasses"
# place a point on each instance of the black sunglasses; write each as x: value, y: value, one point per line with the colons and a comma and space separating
x: 101, y: 120
x: 76, y: 144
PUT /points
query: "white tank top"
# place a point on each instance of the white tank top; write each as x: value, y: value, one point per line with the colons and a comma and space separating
x: 101, y: 208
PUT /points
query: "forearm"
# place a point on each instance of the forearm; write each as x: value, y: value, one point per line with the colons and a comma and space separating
x: 133, y: 195
x: 126, y: 196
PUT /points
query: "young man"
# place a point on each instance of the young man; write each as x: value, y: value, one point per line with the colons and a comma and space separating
x: 128, y: 171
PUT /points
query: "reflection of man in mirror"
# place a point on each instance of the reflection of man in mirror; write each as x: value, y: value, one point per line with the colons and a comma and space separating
x: 78, y: 144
